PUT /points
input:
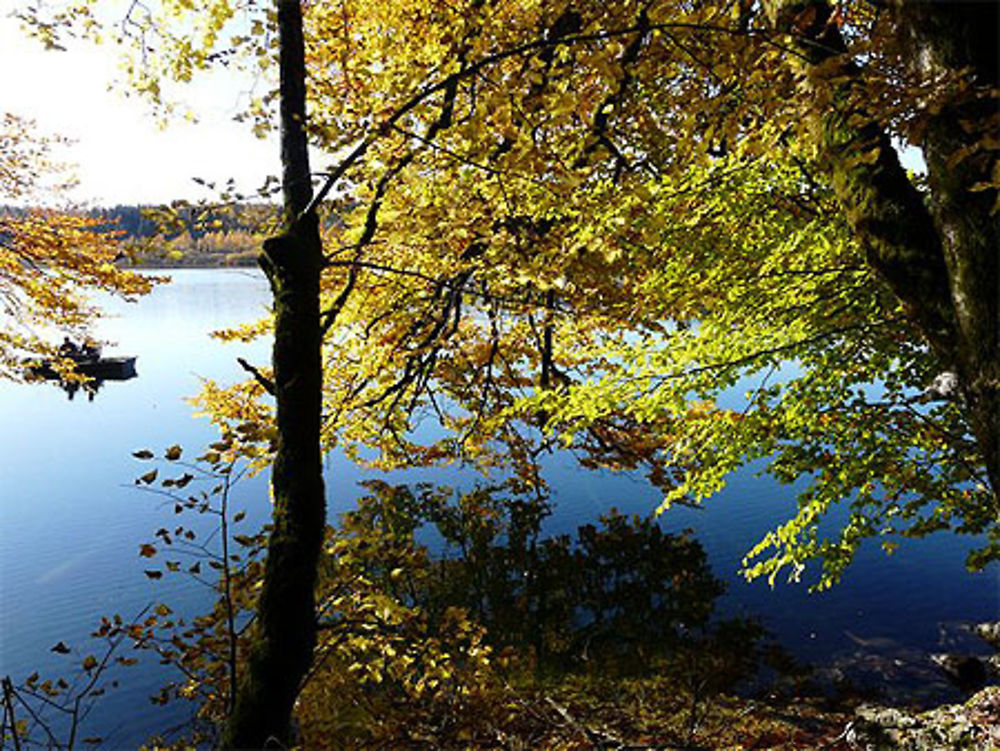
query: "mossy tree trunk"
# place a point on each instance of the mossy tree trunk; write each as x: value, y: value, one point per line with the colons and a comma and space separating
x: 283, y: 635
x: 940, y: 257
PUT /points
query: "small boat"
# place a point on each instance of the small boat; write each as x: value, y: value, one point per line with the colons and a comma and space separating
x: 97, y: 367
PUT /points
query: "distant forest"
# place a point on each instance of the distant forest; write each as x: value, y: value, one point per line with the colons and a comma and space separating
x: 183, y: 234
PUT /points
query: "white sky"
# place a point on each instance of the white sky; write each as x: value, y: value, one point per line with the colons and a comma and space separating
x: 122, y: 156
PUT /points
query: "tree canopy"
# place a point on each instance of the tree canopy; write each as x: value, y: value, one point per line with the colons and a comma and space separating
x: 603, y: 220
x: 597, y: 224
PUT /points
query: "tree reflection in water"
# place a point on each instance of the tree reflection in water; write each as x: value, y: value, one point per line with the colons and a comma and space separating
x: 620, y: 597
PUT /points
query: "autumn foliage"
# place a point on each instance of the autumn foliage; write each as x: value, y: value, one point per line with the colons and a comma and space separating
x: 668, y: 235
x: 50, y: 259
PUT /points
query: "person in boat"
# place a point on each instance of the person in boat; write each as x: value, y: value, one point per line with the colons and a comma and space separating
x: 90, y: 350
x: 68, y: 348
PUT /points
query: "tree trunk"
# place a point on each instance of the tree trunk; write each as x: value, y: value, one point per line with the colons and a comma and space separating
x: 942, y: 38
x: 283, y: 636
x: 941, y: 260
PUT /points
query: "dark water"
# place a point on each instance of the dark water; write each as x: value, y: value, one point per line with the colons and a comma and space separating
x: 71, y: 519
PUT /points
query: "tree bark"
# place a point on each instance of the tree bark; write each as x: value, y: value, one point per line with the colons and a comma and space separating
x: 940, y: 259
x: 943, y: 38
x: 284, y: 635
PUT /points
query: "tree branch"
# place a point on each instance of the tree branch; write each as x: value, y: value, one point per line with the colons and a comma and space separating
x: 473, y: 69
x: 262, y: 379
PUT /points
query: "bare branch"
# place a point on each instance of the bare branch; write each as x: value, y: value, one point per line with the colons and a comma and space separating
x: 263, y: 380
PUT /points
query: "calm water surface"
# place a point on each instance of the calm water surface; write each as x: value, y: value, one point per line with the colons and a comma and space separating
x: 71, y: 518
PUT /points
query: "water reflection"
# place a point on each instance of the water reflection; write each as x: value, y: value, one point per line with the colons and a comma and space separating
x: 86, y: 374
x: 616, y: 597
x: 619, y: 597
x: 445, y: 615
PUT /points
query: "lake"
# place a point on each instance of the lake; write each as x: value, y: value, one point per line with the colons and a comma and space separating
x: 72, y: 518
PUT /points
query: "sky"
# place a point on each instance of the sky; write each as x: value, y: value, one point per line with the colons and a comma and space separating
x: 121, y: 154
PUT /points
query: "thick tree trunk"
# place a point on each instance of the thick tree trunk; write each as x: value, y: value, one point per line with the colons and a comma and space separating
x: 941, y: 260
x: 283, y: 636
x: 943, y: 38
